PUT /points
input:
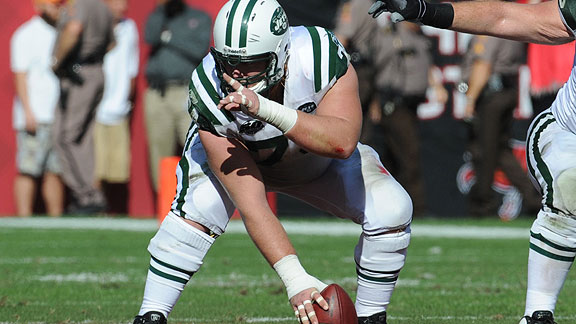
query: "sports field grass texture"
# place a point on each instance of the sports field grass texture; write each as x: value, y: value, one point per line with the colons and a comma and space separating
x: 76, y: 271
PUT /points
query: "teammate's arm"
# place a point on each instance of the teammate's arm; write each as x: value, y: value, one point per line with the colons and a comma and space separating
x: 536, y: 23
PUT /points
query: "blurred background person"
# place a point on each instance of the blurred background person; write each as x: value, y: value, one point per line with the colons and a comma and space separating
x: 37, y: 93
x: 179, y: 37
x: 356, y: 33
x: 490, y: 69
x: 112, y: 129
x: 403, y: 63
x: 86, y: 33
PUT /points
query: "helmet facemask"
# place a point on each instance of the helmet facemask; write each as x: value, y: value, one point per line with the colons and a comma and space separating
x: 259, y: 82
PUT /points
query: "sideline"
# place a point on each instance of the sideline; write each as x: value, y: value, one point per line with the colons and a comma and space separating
x: 328, y: 228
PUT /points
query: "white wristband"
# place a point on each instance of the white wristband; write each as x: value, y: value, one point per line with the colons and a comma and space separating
x: 294, y: 276
x: 276, y: 114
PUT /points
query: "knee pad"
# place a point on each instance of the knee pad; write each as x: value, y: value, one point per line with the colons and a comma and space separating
x: 180, y: 245
x: 382, y: 255
x: 566, y: 187
x: 558, y: 229
x: 388, y: 207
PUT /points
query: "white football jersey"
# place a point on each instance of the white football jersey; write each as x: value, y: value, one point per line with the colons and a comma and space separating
x: 564, y: 107
x: 317, y: 60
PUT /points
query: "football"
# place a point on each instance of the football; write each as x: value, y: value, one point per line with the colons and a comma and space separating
x: 341, y: 309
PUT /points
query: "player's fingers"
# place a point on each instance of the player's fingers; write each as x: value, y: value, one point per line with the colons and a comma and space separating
x: 227, y: 100
x: 316, y: 296
x: 310, y: 313
x: 312, y: 317
x: 233, y: 83
x: 244, y: 100
x: 302, y: 317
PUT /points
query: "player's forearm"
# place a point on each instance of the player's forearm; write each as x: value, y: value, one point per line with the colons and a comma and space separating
x: 232, y: 164
x: 537, y: 23
x: 325, y: 135
x: 267, y: 233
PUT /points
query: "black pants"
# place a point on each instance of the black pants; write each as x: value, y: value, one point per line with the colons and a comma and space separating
x: 490, y: 148
x: 400, y: 136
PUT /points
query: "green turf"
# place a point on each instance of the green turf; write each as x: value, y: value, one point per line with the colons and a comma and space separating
x: 81, y: 276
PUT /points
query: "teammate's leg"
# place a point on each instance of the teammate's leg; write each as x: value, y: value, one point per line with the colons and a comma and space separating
x: 551, y: 161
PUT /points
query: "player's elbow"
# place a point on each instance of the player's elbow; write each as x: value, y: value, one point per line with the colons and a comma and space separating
x: 344, y: 149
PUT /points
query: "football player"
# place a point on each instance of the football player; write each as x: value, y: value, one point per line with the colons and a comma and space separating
x: 276, y: 108
x: 551, y: 143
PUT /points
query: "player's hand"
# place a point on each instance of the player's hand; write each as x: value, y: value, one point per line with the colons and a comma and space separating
x: 411, y: 10
x: 302, y: 305
x: 241, y: 99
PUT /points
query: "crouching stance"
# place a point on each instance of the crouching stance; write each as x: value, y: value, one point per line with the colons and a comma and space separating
x: 276, y: 108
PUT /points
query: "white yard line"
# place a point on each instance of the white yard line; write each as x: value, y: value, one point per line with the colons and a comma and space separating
x: 292, y: 227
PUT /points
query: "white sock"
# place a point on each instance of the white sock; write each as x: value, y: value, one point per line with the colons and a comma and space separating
x: 548, y: 266
x: 373, y: 297
x: 161, y: 293
x: 379, y: 260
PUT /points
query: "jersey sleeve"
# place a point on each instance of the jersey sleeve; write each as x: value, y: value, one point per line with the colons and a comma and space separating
x: 203, y: 99
x: 568, y: 13
x: 134, y: 49
x: 19, y: 60
x: 330, y: 59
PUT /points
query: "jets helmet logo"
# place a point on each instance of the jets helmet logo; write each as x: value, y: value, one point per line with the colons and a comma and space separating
x: 279, y: 22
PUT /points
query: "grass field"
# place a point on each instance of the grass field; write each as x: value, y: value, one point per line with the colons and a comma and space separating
x: 457, y: 272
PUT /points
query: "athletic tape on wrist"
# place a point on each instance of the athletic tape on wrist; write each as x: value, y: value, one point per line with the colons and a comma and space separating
x: 276, y: 114
x: 294, y: 276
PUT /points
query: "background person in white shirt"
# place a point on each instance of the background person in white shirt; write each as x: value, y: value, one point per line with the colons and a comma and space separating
x: 37, y: 93
x: 112, y: 129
